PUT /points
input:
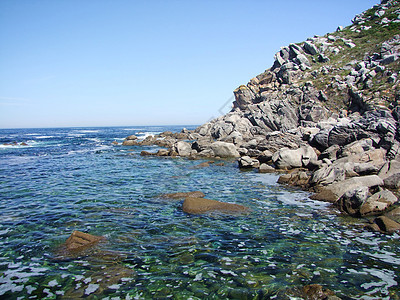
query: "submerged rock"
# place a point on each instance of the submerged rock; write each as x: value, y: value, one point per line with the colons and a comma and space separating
x: 79, y: 241
x: 183, y: 195
x: 193, y: 205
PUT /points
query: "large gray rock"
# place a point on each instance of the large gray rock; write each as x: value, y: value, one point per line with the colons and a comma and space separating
x: 288, y: 159
x: 333, y: 192
x: 389, y: 168
x: 393, y: 181
x: 183, y: 148
x: 310, y: 48
x: 328, y: 174
x: 225, y: 150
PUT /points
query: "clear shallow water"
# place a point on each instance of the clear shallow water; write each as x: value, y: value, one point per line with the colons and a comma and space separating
x: 74, y: 179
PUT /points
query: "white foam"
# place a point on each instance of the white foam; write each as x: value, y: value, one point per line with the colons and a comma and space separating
x: 91, y: 288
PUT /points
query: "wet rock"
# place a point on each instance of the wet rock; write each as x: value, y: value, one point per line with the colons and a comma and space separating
x: 394, y: 214
x: 248, y: 162
x: 378, y: 203
x: 183, y: 195
x: 114, y: 143
x: 130, y: 143
x: 131, y: 138
x: 225, y: 150
x: 264, y: 168
x: 387, y: 225
x: 317, y: 292
x: 163, y: 152
x: 147, y: 153
x: 193, y: 205
x: 333, y: 192
x: 296, y: 178
x: 79, y: 241
x: 352, y: 200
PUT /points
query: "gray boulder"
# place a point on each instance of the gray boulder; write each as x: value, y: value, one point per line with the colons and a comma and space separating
x: 225, y: 150
x: 310, y: 48
x: 288, y: 159
x: 248, y: 162
x: 393, y: 181
x: 183, y: 148
x: 328, y: 174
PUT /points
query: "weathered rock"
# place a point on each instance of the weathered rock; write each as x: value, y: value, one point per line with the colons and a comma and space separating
x: 132, y: 137
x: 193, y: 205
x: 310, y: 48
x: 296, y: 178
x: 248, y: 162
x: 394, y: 214
x: 330, y: 153
x: 333, y: 192
x: 317, y: 292
x: 289, y: 159
x: 183, y: 148
x: 183, y: 195
x: 79, y: 241
x: 147, y: 153
x: 378, y: 203
x: 389, y: 168
x: 225, y: 150
x: 328, y: 174
x: 387, y: 225
x: 264, y: 168
x: 163, y: 152
x: 130, y: 143
x: 265, y: 156
x: 393, y: 181
x: 351, y: 201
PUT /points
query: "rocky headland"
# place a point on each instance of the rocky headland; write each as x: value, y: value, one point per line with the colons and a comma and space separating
x: 327, y: 113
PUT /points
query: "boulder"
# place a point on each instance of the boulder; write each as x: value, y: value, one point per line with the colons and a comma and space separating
x: 183, y: 148
x: 288, y: 159
x: 79, y: 241
x: 387, y: 225
x: 264, y: 168
x: 351, y: 201
x: 328, y: 174
x: 378, y: 203
x: 225, y: 150
x: 162, y: 152
x: 147, y: 153
x: 248, y: 162
x: 389, y: 168
x: 310, y: 48
x: 333, y: 192
x: 193, y: 205
x: 330, y: 153
x: 393, y: 181
x: 131, y: 137
x: 183, y: 195
x: 130, y: 143
x: 394, y: 214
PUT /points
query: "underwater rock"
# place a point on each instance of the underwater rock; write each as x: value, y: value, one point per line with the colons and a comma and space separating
x: 79, y: 241
x: 194, y: 194
x: 193, y: 205
x: 387, y: 225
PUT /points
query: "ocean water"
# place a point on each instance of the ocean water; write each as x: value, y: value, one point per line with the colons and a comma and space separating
x: 70, y: 179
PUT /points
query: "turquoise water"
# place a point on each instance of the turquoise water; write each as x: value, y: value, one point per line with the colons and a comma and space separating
x: 74, y: 179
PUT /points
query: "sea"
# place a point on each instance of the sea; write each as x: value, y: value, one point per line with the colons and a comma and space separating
x: 56, y: 181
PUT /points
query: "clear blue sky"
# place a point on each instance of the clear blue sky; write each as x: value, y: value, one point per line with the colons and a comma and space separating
x: 106, y: 63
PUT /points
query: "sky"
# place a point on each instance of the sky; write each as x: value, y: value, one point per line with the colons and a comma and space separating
x: 75, y: 63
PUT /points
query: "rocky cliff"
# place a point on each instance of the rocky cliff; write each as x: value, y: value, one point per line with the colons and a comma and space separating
x: 328, y: 90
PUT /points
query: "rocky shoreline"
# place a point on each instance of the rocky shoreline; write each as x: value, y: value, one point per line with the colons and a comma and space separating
x: 326, y: 113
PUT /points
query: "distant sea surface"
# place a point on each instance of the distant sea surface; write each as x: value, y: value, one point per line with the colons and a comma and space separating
x: 70, y: 179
